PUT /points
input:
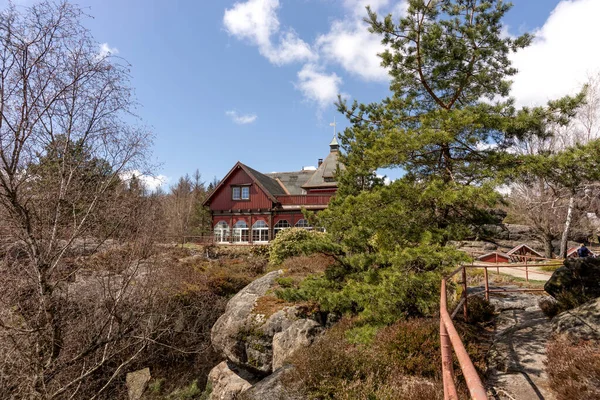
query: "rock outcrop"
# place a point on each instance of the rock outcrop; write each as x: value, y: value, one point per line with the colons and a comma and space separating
x: 256, y: 345
x: 230, y: 333
x: 228, y: 382
x: 272, y: 388
x: 578, y: 277
x: 299, y: 335
x: 582, y: 322
x: 137, y: 382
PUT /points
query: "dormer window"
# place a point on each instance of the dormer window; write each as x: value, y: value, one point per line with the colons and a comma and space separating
x: 240, y: 192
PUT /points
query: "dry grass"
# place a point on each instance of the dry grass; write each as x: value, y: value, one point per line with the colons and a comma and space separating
x: 302, y: 266
x: 574, y: 369
x: 269, y: 305
x: 402, y: 362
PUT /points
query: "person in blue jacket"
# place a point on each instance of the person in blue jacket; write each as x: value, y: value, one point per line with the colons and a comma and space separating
x: 583, y: 251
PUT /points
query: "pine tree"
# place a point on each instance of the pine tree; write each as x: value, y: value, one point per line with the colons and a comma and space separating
x: 449, y: 126
x: 446, y: 125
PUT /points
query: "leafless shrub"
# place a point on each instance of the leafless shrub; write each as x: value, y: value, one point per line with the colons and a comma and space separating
x: 64, y: 145
x: 401, y: 362
x: 574, y: 369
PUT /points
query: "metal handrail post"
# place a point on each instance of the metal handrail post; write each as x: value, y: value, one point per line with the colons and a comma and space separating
x: 487, y: 284
x: 465, y: 308
x: 446, y: 349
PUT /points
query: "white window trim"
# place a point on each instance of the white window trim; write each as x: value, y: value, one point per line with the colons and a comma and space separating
x: 221, y: 232
x: 238, y: 233
x: 263, y: 231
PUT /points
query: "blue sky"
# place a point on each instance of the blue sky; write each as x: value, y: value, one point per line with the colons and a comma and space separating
x: 254, y: 80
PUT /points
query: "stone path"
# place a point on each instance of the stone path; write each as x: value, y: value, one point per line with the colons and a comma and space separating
x: 516, y: 359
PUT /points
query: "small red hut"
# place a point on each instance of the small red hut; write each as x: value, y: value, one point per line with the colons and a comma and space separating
x: 523, y: 252
x: 494, y: 257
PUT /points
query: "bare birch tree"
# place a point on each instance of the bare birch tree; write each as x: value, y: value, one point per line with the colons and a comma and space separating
x: 553, y: 206
x: 64, y: 142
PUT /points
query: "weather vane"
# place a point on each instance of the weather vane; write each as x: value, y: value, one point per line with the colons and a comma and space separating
x: 334, y: 125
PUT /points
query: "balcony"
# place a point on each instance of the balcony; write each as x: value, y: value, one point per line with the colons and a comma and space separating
x: 304, y: 200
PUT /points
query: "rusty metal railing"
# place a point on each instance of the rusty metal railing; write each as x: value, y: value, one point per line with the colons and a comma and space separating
x: 449, y: 337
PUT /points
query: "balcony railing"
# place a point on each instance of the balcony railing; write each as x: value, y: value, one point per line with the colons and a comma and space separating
x: 305, y: 199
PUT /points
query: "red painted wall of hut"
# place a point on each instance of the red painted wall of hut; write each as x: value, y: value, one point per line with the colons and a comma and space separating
x: 494, y: 258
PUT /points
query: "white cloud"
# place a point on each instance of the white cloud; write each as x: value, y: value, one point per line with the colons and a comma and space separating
x: 352, y: 46
x: 358, y: 7
x: 318, y: 86
x: 386, y: 181
x: 150, y: 182
x: 241, y: 119
x: 106, y: 50
x: 562, y: 55
x: 257, y: 21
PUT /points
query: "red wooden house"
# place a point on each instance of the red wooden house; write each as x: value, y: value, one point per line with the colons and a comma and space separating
x: 251, y: 207
x: 523, y: 252
x: 494, y: 257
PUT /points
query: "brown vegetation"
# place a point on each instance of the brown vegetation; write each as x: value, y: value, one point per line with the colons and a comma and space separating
x: 401, y: 362
x: 574, y: 369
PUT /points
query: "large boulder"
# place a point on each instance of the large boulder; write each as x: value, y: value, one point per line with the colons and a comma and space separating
x: 582, y: 322
x: 257, y: 337
x: 245, y: 336
x: 273, y: 388
x: 228, y: 382
x: 227, y: 332
x: 137, y: 382
x: 579, y: 278
x: 300, y: 334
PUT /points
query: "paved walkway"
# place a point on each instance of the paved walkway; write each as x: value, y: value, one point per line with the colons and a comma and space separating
x: 516, y: 368
x: 535, y: 273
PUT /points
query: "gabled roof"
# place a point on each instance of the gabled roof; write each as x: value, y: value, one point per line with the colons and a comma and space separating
x: 268, y: 185
x: 524, y: 247
x: 499, y: 254
x: 292, y: 181
x: 325, y: 174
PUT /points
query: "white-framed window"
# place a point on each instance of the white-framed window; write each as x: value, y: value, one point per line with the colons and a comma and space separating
x: 240, y: 232
x: 260, y: 232
x: 221, y: 232
x: 280, y: 225
x: 240, y: 192
x: 245, y: 192
x: 303, y: 223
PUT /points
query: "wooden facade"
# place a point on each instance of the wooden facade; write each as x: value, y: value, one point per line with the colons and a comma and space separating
x: 251, y: 207
x: 494, y: 257
x: 523, y: 253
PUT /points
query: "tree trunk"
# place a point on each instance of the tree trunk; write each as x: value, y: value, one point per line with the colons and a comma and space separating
x: 547, y: 239
x: 565, y: 234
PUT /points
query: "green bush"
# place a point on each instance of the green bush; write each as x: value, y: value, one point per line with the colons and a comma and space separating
x: 297, y: 241
x: 285, y: 282
x: 380, y: 295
